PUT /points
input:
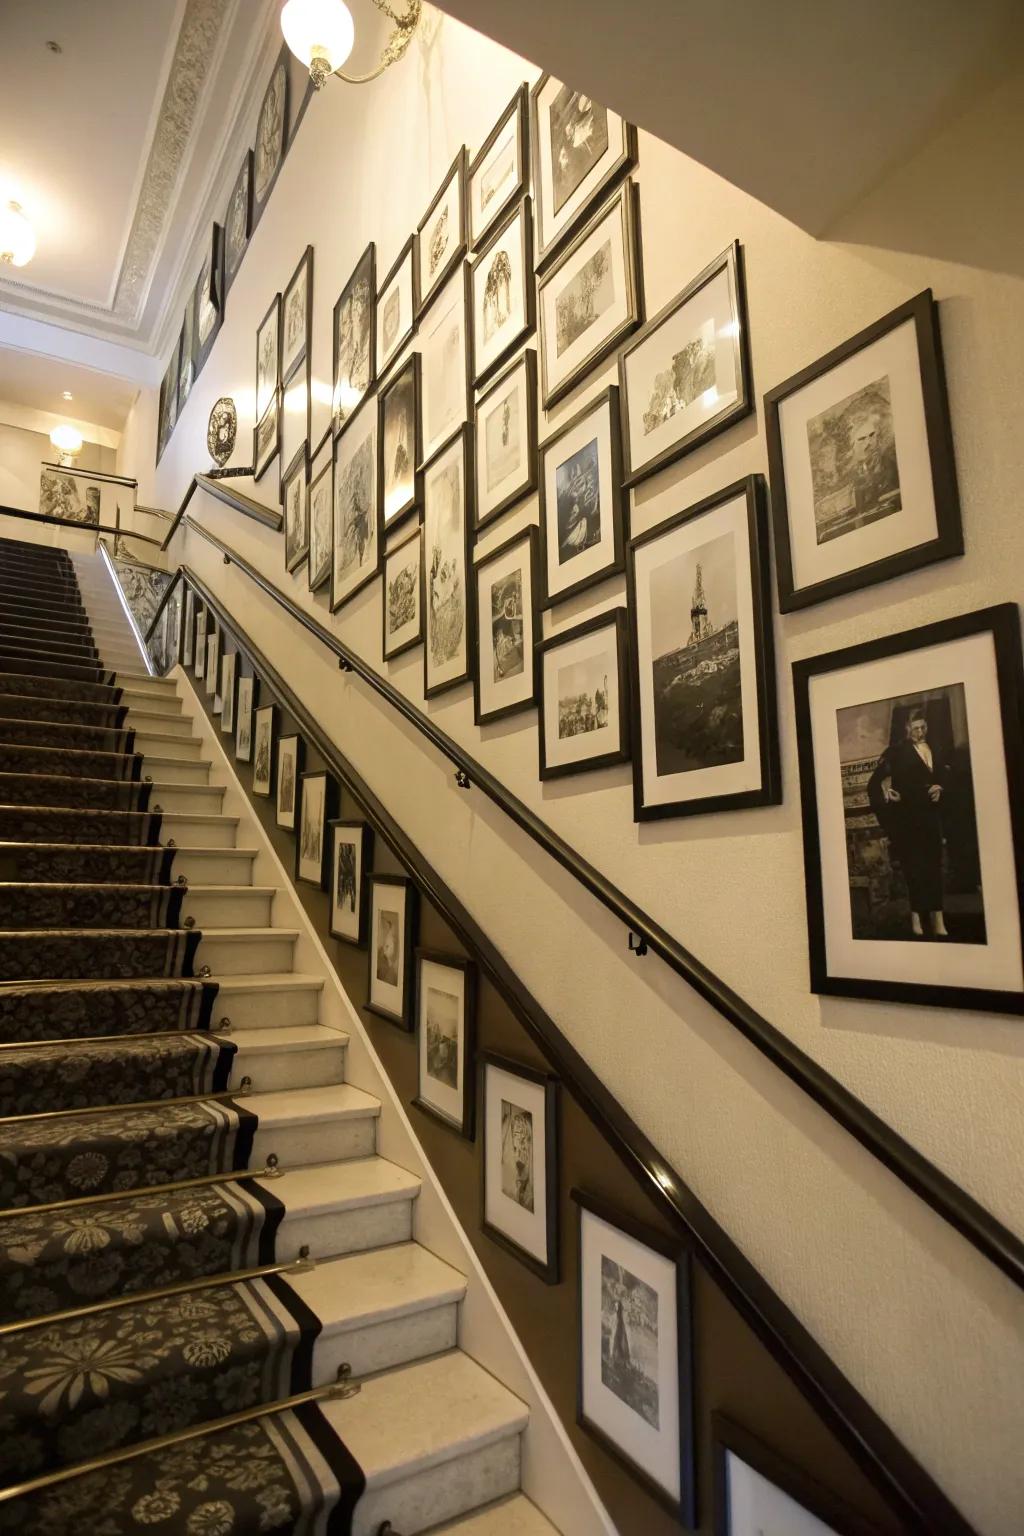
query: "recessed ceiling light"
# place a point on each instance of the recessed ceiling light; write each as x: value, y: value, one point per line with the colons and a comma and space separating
x: 67, y: 395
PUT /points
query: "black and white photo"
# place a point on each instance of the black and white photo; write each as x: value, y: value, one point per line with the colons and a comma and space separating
x: 520, y: 1162
x: 228, y: 691
x: 71, y: 496
x: 238, y: 221
x: 580, y: 149
x: 297, y: 317
x: 447, y: 653
x: 320, y: 499
x: 445, y: 362
x: 441, y: 237
x: 190, y: 628
x: 294, y: 486
x: 398, y: 435
x: 209, y: 296
x: 271, y: 128
x: 357, y: 532
x: 506, y: 439
x: 391, y: 948
x: 397, y: 304
x: 757, y: 1492
x: 500, y: 171
x: 244, y: 705
x: 445, y: 1031
x: 355, y: 339
x: 503, y: 291
x: 290, y: 763
x: 167, y: 410
x: 403, y: 596
x: 186, y: 357
x: 212, y: 667
x: 202, y: 626
x: 267, y: 437
x: 318, y: 802
x: 268, y: 356
x: 508, y: 623
x: 264, y: 750
x: 351, y: 857
x: 584, y: 703
x: 582, y: 503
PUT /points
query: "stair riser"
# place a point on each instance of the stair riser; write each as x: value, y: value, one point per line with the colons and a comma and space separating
x: 199, y: 834
x: 177, y: 772
x: 255, y: 1010
x: 183, y: 748
x: 165, y: 703
x: 381, y: 1346
x: 318, y: 1141
x: 202, y: 867
x: 162, y: 724
x: 444, y: 1492
x: 245, y: 957
x: 340, y: 1232
x: 234, y: 909
x: 26, y: 643
x: 152, y: 687
x: 273, y: 1070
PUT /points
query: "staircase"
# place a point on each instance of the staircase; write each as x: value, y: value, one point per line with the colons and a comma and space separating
x: 208, y: 1275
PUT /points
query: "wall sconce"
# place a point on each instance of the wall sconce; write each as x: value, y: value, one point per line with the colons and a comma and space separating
x: 321, y: 33
x: 17, y: 237
x: 68, y: 443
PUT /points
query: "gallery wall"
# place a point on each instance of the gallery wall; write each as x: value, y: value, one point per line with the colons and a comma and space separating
x: 918, y: 1320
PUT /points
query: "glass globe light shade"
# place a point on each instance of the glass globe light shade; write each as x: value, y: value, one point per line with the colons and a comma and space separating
x: 17, y: 237
x: 66, y: 439
x: 320, y: 33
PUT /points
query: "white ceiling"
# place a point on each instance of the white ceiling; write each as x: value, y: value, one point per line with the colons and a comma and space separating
x: 39, y: 383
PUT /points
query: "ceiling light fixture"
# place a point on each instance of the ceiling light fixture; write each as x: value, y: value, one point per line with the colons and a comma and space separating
x: 67, y: 395
x: 17, y: 237
x: 68, y: 442
x: 321, y: 33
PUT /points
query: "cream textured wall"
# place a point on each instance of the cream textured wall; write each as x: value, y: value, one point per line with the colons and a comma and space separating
x: 23, y: 452
x: 930, y: 1332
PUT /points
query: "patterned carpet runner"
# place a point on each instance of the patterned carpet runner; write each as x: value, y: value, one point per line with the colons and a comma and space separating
x: 75, y: 1010
x: 38, y: 1078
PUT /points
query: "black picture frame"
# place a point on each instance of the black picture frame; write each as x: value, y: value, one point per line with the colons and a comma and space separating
x: 404, y: 1020
x: 319, y: 578
x: 923, y: 312
x: 273, y: 313
x: 410, y: 367
x: 300, y: 768
x: 229, y: 696
x: 624, y: 161
x: 362, y: 894
x: 467, y: 1126
x: 303, y: 273
x: 167, y: 411
x: 263, y: 711
x: 415, y: 536
x: 239, y: 208
x: 406, y: 254
x: 202, y: 633
x: 729, y: 262
x: 365, y: 271
x: 518, y: 107
x: 260, y: 464
x: 549, y: 1270
x: 259, y: 202
x: 425, y: 335
x: 527, y: 536
x: 527, y: 361
x: 298, y: 465
x: 240, y: 756
x: 213, y: 291
x: 729, y: 1438
x: 186, y: 365
x: 608, y: 402
x: 523, y: 212
x: 468, y: 673
x: 331, y: 798
x: 340, y: 445
x: 615, y: 619
x: 455, y: 172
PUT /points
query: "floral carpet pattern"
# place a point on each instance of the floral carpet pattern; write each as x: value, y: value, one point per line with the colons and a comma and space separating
x: 20, y: 706
x: 33, y: 905
x: 64, y: 734
x: 50, y: 955
x: 77, y: 863
x: 69, y: 762
x: 72, y: 1010
x: 53, y: 824
x: 73, y: 790
x: 74, y: 671
x: 38, y: 1078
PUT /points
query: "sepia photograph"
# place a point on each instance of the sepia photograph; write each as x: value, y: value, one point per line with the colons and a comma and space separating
x: 855, y: 478
x: 442, y: 234
x: 271, y: 127
x: 441, y: 1011
x: 290, y: 755
x: 319, y: 498
x: 228, y: 690
x: 399, y: 439
x: 297, y: 317
x: 629, y: 1339
x: 397, y: 306
x: 506, y: 439
x: 317, y: 804
x: 238, y: 221
x: 294, y: 485
x: 520, y: 1182
x: 499, y: 173
x: 403, y: 582
x: 503, y: 292
x: 268, y: 356
x: 355, y: 339
x: 351, y: 856
x: 264, y: 754
x: 447, y: 657
x: 578, y: 502
x: 582, y: 504
x: 578, y: 137
x: 202, y: 626
x: 580, y: 150
x: 517, y: 1154
x: 244, y: 718
x: 583, y: 705
x: 446, y: 1033
x: 508, y: 627
x: 393, y: 902
x: 445, y: 363
x: 356, y: 517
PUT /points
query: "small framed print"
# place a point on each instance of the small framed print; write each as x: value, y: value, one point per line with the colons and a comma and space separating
x: 297, y: 317
x: 399, y: 437
x: 506, y: 439
x: 446, y: 1039
x: 447, y: 575
x: 238, y: 221
x: 351, y: 857
x: 509, y: 624
x: 392, y: 941
x: 167, y: 413
x: 264, y: 754
x: 268, y: 356
x: 244, y: 706
x: 294, y: 498
x: 212, y: 668
x: 582, y: 501
x: 860, y: 454
x: 291, y: 753
x: 444, y: 350
x: 186, y: 364
x: 705, y: 733
x: 318, y: 802
x: 757, y: 1491
x: 209, y: 297
x: 320, y: 500
x: 912, y: 791
x: 498, y: 175
x: 403, y: 596
x: 202, y: 624
x: 584, y: 697
x: 357, y: 532
x: 396, y: 306
x: 271, y: 128
x: 686, y: 375
x: 635, y: 1353
x: 267, y: 437
x: 590, y: 299
x: 355, y: 339
x: 190, y: 627
x: 228, y: 691
x: 441, y: 237
x: 520, y: 1162
x: 504, y: 290
x: 580, y: 149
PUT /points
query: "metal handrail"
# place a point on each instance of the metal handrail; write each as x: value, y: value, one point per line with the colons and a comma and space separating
x: 67, y: 522
x: 215, y: 484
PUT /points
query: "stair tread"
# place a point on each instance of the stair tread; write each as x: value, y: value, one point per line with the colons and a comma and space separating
x: 283, y: 1037
x: 240, y: 935
x: 292, y: 1106
x: 270, y: 981
x: 310, y: 1188
x: 204, y: 817
x: 377, y: 1285
x: 514, y: 1516
x: 195, y: 887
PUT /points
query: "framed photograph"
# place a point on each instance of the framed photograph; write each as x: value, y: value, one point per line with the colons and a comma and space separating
x: 186, y: 359
x: 590, y: 299
x: 357, y: 532
x: 238, y: 222
x: 520, y: 1162
x: 264, y: 750
x: 396, y: 306
x: 506, y: 439
x: 635, y: 1354
x: 686, y: 375
x: 403, y: 596
x: 297, y: 318
x: 704, y: 726
x: 318, y: 802
x: 212, y: 669
x: 398, y: 435
x: 504, y: 292
x: 271, y: 131
x: 268, y: 356
x: 244, y: 706
x: 267, y: 437
x: 190, y: 628
x: 351, y: 857
x: 444, y: 349
x: 584, y: 697
x: 355, y: 339
x: 228, y: 691
x: 499, y: 173
x: 291, y: 754
x: 441, y: 237
x: 295, y: 500
x: 320, y: 498
x: 447, y: 586
x: 582, y: 501
x: 508, y: 617
x: 580, y: 149
x: 209, y: 297
x: 860, y: 454
x: 71, y: 496
x: 912, y: 789
x: 756, y: 1490
x: 168, y: 408
x: 392, y: 943
x: 200, y: 651
x: 446, y: 1039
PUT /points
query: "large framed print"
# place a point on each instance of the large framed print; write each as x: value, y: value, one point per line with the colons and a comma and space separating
x: 202, y: 627
x: 294, y: 486
x: 912, y: 789
x: 520, y: 1162
x: 318, y: 802
x: 506, y: 439
x: 441, y: 237
x: 498, y: 175
x: 445, y: 370
x: 268, y: 356
x: 190, y: 628
x: 397, y: 305
x: 580, y: 149
x: 509, y: 625
x: 399, y: 438
x: 685, y: 376
x: 244, y: 707
x: 584, y: 696
x: 211, y: 672
x: 357, y: 533
x: 271, y: 131
x: 635, y: 1388
x: 503, y: 292
x: 168, y: 407
x: 447, y: 585
x: 705, y: 733
x: 351, y: 857
x: 209, y: 297
x: 186, y: 358
x: 757, y: 1491
x: 321, y: 494
x: 297, y: 317
x: 355, y: 339
x: 446, y: 1039
x: 393, y: 900
x: 582, y: 501
x: 238, y: 221
x: 264, y: 751
x: 860, y: 454
x: 590, y: 299
x: 291, y: 753
x: 266, y: 444
x: 228, y: 691
x: 403, y: 596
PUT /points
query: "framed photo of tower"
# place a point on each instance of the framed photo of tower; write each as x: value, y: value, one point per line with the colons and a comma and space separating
x: 446, y: 1036
x: 580, y: 149
x: 520, y: 1162
x: 393, y: 900
x: 584, y: 696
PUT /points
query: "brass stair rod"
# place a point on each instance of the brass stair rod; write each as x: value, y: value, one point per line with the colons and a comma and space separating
x: 273, y: 1170
x: 143, y: 1034
x: 105, y: 1109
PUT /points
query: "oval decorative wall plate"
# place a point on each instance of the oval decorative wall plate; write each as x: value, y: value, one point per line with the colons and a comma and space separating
x: 222, y: 430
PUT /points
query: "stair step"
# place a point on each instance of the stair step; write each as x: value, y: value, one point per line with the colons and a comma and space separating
x: 149, y: 687
x: 176, y: 770
x: 214, y: 866
x: 287, y: 1056
x: 159, y: 722
x: 179, y: 747
x: 264, y: 1000
x: 200, y: 831
x: 512, y: 1516
x: 313, y: 1125
x: 228, y: 906
x: 342, y: 1207
x: 182, y: 799
x: 237, y: 951
x: 165, y: 703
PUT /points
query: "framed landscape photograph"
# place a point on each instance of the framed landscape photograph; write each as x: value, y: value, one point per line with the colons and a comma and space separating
x: 355, y: 339
x: 705, y: 732
x: 580, y: 149
x: 228, y: 690
x: 447, y: 588
x: 860, y: 454
x: 498, y: 175
x: 271, y: 128
x: 506, y: 439
x: 318, y: 802
x: 245, y: 704
x: 291, y: 752
x: 267, y: 437
x: 268, y: 356
x: 297, y: 317
x: 399, y: 438
x: 190, y: 628
x: 756, y: 1490
x: 509, y: 625
x: 264, y: 750
x: 441, y: 237
x: 590, y: 299
x: 685, y: 376
x: 504, y: 291
x: 635, y: 1383
x: 294, y: 499
x: 392, y: 944
x: 912, y: 791
x: 444, y: 350
x: 357, y: 532
x: 351, y: 857
x: 238, y: 221
x: 446, y: 1039
x: 520, y: 1162
x: 403, y: 596
x: 582, y: 501
x: 320, y: 500
x: 397, y: 305
x: 584, y: 696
